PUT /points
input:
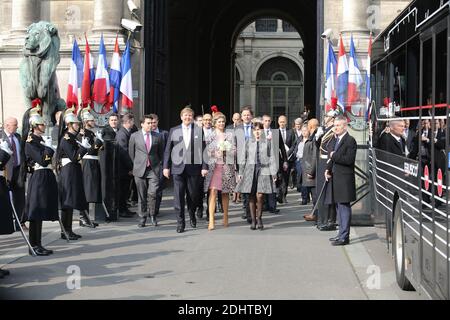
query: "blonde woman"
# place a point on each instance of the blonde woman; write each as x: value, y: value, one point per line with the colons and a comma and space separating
x: 221, y: 176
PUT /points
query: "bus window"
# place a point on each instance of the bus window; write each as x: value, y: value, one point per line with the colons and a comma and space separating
x: 427, y: 76
x: 398, y: 82
x: 441, y: 73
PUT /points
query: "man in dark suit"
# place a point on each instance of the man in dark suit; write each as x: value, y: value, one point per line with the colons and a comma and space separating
x: 164, y: 135
x: 183, y: 158
x: 236, y: 121
x: 125, y: 164
x: 340, y: 173
x: 109, y: 132
x: 394, y: 142
x: 285, y: 144
x: 15, y: 176
x: 242, y: 133
x: 146, y: 150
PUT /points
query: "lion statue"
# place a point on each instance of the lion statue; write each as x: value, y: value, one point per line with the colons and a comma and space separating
x: 38, y: 67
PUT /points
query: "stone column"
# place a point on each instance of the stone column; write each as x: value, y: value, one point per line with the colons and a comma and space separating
x: 23, y: 14
x: 107, y: 16
x: 354, y: 16
x: 279, y: 25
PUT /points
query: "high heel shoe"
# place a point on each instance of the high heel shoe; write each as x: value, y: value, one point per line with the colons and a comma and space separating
x: 260, y: 224
x: 253, y: 226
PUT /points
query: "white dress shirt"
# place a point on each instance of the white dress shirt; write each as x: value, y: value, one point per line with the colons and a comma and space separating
x: 186, y: 135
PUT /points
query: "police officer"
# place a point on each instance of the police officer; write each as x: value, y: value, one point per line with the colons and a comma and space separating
x: 326, y: 217
x: 6, y: 212
x: 91, y: 166
x: 70, y: 153
x: 42, y: 193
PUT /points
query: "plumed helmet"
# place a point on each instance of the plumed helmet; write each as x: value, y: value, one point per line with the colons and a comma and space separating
x: 331, y: 114
x: 35, y: 115
x: 85, y: 112
x: 70, y: 116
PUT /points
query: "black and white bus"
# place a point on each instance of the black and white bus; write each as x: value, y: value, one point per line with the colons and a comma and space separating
x: 410, y: 85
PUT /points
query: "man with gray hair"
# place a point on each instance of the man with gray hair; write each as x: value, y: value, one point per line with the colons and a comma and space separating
x: 394, y: 141
x: 340, y: 174
x: 15, y: 176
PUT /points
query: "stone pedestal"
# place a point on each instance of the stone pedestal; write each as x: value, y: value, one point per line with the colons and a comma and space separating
x: 107, y: 16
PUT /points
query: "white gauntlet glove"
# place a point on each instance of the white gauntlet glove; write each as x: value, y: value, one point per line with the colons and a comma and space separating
x: 5, y: 147
x: 99, y: 136
x: 48, y: 142
x: 84, y: 143
x: 319, y: 133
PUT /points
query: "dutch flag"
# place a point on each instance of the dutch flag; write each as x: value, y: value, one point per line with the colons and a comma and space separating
x: 342, y: 76
x: 75, y: 76
x: 126, y: 85
x: 101, y: 83
x: 115, y: 78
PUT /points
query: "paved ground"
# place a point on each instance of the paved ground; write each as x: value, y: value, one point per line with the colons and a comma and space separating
x: 290, y: 259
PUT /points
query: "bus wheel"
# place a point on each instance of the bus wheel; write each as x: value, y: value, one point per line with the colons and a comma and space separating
x: 399, y: 250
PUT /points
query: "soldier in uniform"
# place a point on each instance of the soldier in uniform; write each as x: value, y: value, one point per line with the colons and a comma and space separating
x: 326, y: 217
x: 71, y: 187
x: 42, y: 193
x: 6, y: 212
x: 91, y: 166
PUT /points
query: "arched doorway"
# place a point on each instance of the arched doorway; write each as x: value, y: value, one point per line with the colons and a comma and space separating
x: 279, y: 89
x: 201, y: 37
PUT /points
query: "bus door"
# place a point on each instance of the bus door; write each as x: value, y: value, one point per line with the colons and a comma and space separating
x: 434, y: 222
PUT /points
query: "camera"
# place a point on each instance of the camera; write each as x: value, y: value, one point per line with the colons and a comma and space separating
x: 132, y: 6
x: 131, y: 25
x: 327, y: 34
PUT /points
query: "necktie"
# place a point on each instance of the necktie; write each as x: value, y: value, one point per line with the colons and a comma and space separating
x: 247, y: 133
x: 147, y: 145
x: 337, y: 143
x: 283, y: 131
x: 186, y: 137
x: 13, y: 147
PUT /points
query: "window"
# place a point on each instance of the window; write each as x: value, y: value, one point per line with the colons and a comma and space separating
x: 287, y: 27
x: 266, y: 25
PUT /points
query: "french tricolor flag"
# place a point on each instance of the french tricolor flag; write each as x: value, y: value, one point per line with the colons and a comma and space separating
x: 355, y: 79
x: 101, y: 83
x: 75, y: 76
x: 330, y: 90
x: 89, y: 76
x: 368, y: 89
x: 115, y: 78
x: 342, y: 76
x: 126, y: 85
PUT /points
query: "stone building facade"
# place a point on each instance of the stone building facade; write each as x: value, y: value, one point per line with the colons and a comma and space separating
x: 253, y: 50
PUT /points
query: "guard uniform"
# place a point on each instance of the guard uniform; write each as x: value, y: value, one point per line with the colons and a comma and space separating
x: 326, y: 216
x: 6, y: 212
x: 91, y: 169
x: 71, y: 186
x: 42, y: 192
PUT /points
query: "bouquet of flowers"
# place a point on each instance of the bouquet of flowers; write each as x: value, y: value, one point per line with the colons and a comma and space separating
x: 224, y: 146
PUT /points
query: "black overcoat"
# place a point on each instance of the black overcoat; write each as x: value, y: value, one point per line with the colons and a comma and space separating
x: 6, y: 210
x: 42, y: 192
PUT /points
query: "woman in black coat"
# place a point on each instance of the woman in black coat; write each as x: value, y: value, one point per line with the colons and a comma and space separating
x: 42, y: 193
x: 6, y: 212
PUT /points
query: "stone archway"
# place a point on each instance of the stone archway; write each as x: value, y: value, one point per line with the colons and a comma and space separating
x: 201, y: 41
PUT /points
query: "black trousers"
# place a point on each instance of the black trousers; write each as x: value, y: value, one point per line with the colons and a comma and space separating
x: 18, y: 195
x: 159, y: 194
x: 186, y: 187
x: 124, y: 192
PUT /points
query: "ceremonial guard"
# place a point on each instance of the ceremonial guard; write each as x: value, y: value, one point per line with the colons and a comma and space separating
x: 91, y: 166
x: 326, y: 217
x: 71, y: 187
x: 42, y: 193
x: 6, y: 212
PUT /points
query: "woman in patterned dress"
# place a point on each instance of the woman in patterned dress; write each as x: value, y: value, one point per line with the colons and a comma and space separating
x: 221, y: 175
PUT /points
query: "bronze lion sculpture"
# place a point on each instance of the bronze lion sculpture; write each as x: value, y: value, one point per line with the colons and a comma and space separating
x: 38, y: 67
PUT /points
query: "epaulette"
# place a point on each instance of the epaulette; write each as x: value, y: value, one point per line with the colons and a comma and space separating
x: 66, y: 137
x: 47, y: 158
x: 30, y: 139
